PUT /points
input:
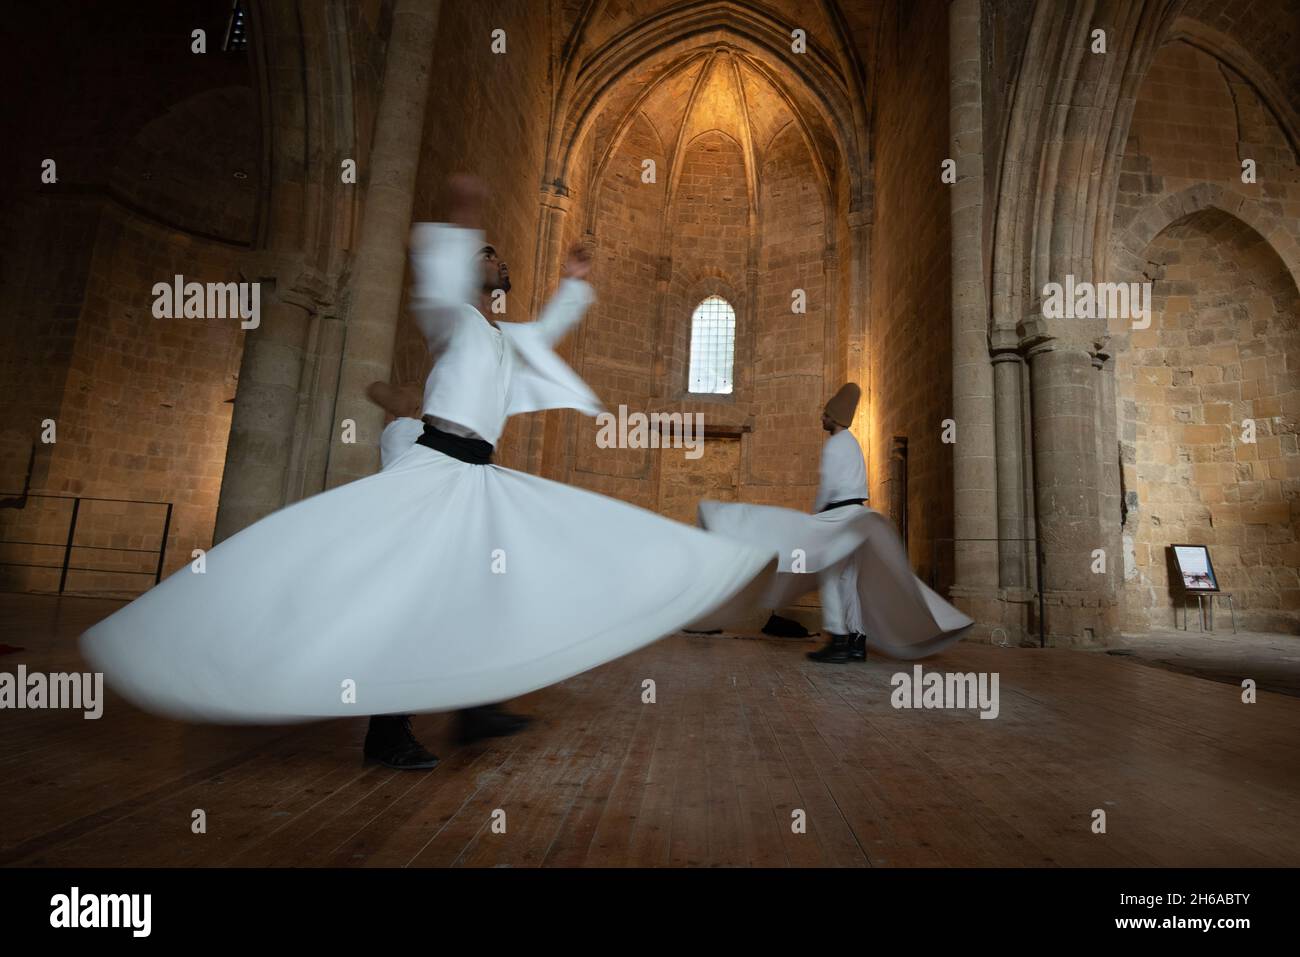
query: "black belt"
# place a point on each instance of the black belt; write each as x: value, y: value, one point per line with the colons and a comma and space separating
x: 847, y: 501
x: 472, y: 451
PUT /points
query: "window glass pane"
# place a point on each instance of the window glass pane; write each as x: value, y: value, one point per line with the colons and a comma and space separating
x: 713, y: 346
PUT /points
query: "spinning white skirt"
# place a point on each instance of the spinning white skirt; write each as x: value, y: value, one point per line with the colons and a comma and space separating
x: 432, y: 585
x: 902, y: 616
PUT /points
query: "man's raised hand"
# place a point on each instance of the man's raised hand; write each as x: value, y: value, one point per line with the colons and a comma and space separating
x: 578, y: 264
x: 466, y: 196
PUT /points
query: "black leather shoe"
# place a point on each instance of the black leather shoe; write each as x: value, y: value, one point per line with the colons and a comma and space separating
x: 858, y: 648
x: 836, y: 651
x: 391, y: 742
x: 488, y: 721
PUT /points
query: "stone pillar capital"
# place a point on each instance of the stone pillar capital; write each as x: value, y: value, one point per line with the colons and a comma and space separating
x: 291, y: 280
x: 1035, y: 346
x: 556, y: 196
x: 310, y: 289
x: 1032, y: 327
x: 860, y: 218
x: 1101, y: 351
x: 1003, y: 341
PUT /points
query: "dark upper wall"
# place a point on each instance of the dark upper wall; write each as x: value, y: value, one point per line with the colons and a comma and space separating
x: 114, y: 96
x: 1268, y: 29
x: 109, y: 92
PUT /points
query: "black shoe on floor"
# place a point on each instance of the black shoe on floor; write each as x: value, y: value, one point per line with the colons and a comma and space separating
x: 488, y: 721
x: 858, y: 648
x: 836, y: 651
x: 391, y: 742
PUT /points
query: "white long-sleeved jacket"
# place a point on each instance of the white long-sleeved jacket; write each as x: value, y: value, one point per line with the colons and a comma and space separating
x: 843, y: 471
x: 486, y: 373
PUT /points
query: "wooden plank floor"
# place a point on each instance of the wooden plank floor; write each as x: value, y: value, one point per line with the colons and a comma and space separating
x: 744, y: 732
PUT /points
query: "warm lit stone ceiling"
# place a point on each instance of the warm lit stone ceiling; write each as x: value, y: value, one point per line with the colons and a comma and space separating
x: 686, y: 68
x: 718, y: 90
x: 607, y: 18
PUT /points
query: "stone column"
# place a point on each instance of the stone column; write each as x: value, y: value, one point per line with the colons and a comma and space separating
x: 1063, y: 382
x: 1011, y: 517
x: 1028, y: 502
x: 380, y: 267
x: 266, y: 409
x: 320, y: 388
x: 1110, y: 532
x: 974, y: 462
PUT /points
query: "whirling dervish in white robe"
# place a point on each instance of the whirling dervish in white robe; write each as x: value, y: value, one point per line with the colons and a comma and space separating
x: 441, y: 582
x: 848, y: 551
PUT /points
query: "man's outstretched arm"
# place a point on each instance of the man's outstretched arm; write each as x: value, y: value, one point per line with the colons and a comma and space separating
x: 571, y: 299
x: 444, y: 259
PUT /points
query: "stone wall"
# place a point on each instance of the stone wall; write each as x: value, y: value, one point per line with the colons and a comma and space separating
x: 911, y: 296
x: 793, y: 352
x: 158, y: 155
x: 1194, y: 122
x: 1222, y: 352
x: 144, y: 415
x: 659, y: 257
x: 618, y: 338
x: 1222, y: 345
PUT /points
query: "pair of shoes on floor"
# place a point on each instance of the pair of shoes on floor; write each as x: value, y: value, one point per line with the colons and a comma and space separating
x: 488, y: 721
x: 391, y: 742
x: 841, y: 649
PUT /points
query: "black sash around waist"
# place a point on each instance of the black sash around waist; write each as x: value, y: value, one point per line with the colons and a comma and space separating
x: 472, y: 451
x: 847, y: 501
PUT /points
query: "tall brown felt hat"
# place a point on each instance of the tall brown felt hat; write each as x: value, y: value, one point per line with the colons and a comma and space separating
x: 843, y: 404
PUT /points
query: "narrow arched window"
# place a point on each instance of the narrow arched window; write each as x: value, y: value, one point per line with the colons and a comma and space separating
x: 713, y: 346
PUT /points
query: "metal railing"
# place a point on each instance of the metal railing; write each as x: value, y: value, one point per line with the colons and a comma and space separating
x: 69, y: 542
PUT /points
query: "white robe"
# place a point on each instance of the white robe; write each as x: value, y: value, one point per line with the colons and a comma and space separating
x: 843, y: 471
x: 851, y: 552
x: 486, y: 373
x: 434, y: 584
x: 843, y: 478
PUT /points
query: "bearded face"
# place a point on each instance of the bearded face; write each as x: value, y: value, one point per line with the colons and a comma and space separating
x: 496, y: 274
